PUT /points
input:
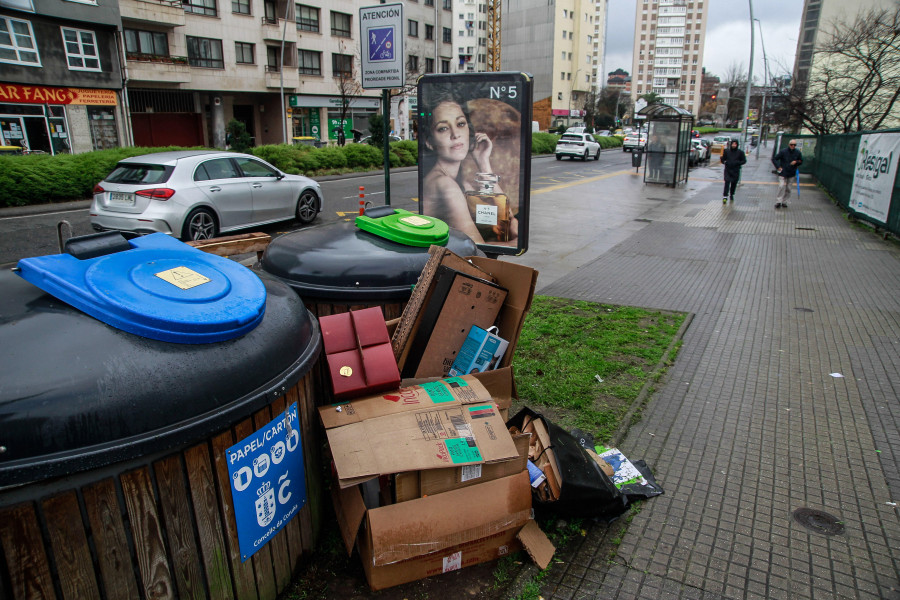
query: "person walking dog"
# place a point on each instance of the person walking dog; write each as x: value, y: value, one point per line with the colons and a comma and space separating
x: 733, y: 158
x: 786, y: 163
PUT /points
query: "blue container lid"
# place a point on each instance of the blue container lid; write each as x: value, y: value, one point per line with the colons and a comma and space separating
x: 154, y: 286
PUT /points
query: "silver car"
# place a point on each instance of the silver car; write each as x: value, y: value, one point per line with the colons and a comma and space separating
x: 198, y: 194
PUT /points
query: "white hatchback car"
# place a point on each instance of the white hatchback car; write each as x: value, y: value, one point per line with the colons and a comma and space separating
x: 198, y: 194
x: 577, y: 145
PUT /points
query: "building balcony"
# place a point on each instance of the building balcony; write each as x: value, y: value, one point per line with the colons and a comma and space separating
x: 165, y: 69
x: 158, y: 12
x: 291, y: 78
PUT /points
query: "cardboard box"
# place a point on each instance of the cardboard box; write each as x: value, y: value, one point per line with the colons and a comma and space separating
x: 518, y: 280
x: 481, y: 351
x: 429, y: 438
x: 456, y: 301
x: 404, y: 542
x: 358, y: 351
x: 418, y: 484
x: 479, y: 388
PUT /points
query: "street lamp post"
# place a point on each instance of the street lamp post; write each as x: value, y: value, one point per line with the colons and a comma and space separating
x: 762, y: 108
x: 749, y: 78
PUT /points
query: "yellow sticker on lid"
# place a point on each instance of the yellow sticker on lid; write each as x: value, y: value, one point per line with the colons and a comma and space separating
x: 346, y: 371
x: 415, y: 221
x: 183, y: 277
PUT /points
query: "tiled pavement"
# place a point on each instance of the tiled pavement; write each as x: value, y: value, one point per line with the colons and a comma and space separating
x: 750, y: 424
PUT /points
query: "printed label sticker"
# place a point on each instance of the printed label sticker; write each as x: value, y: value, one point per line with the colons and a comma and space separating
x: 183, y: 277
x: 461, y: 451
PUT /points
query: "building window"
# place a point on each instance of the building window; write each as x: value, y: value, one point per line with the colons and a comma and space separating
x: 445, y: 66
x: 340, y: 24
x: 138, y: 41
x: 448, y: 4
x: 413, y: 28
x: 342, y: 65
x: 243, y: 53
x: 429, y: 2
x: 447, y: 35
x: 17, y: 42
x: 412, y: 64
x: 200, y: 7
x: 241, y: 7
x: 562, y: 76
x: 429, y: 65
x: 429, y: 32
x: 310, y: 62
x: 81, y: 49
x: 205, y: 52
x: 307, y: 18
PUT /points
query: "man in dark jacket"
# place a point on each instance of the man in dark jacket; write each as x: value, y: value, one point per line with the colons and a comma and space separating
x: 733, y: 158
x: 786, y: 163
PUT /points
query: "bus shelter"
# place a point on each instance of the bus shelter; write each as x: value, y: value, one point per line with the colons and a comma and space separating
x: 668, y: 143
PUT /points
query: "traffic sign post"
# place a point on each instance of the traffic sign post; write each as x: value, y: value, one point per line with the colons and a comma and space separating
x: 383, y: 64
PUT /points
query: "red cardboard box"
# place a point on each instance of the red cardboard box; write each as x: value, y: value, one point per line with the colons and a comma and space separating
x: 358, y: 352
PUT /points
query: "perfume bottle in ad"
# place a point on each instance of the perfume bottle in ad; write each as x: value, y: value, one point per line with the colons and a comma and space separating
x: 490, y: 209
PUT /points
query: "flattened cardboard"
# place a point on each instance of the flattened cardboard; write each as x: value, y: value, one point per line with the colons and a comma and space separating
x: 536, y: 543
x: 457, y: 302
x: 402, y: 531
x: 350, y: 511
x: 425, y: 439
x: 451, y: 391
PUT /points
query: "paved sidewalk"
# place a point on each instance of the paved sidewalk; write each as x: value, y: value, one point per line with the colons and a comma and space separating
x: 752, y: 423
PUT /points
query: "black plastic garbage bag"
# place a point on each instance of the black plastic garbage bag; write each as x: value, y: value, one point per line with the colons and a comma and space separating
x: 584, y: 490
x: 634, y: 490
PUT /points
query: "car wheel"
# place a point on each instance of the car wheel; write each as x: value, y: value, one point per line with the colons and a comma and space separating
x: 585, y: 155
x: 200, y: 224
x: 597, y: 156
x: 559, y: 157
x: 307, y: 207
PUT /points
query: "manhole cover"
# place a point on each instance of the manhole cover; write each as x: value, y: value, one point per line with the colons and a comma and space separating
x: 818, y: 521
x: 802, y: 309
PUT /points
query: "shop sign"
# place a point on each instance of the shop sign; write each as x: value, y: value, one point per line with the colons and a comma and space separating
x: 332, y: 102
x: 38, y: 94
x: 268, y: 481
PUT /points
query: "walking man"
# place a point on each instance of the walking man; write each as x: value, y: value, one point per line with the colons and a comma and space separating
x: 733, y: 158
x: 786, y: 163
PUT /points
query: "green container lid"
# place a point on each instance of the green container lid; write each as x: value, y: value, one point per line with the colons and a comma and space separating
x: 404, y: 227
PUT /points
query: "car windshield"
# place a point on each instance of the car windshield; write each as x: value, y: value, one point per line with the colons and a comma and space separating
x: 572, y: 137
x: 132, y: 173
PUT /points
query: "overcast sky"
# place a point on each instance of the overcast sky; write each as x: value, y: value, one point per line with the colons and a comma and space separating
x: 727, y: 35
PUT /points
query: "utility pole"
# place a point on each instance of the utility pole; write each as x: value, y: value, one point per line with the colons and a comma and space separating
x: 762, y: 108
x: 749, y: 78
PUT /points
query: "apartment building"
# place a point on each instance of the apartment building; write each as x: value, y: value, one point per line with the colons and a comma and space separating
x: 668, y: 51
x: 60, y: 75
x: 561, y: 44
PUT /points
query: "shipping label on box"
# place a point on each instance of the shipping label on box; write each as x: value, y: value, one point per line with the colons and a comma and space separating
x: 425, y: 439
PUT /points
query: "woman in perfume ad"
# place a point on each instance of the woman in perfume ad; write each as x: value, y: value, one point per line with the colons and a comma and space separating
x: 462, y: 187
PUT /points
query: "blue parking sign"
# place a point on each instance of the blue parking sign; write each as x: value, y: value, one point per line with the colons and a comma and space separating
x: 381, y: 44
x: 268, y: 481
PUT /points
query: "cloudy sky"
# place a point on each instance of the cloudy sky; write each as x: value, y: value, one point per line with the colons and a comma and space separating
x: 727, y: 35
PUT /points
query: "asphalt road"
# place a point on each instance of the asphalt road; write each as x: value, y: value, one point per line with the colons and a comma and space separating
x: 23, y: 235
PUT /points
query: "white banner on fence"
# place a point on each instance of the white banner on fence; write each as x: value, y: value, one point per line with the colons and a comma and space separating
x: 873, y: 178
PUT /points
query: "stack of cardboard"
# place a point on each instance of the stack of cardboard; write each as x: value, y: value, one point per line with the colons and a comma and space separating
x: 428, y: 478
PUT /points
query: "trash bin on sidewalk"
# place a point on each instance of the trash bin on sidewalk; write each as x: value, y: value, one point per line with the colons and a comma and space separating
x: 114, y: 466
x: 338, y: 267
x: 636, y: 156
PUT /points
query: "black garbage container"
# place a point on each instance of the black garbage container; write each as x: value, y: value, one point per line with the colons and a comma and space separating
x: 636, y: 156
x: 114, y: 465
x: 339, y: 267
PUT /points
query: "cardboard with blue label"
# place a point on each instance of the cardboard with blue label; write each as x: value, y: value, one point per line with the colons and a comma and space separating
x: 268, y: 481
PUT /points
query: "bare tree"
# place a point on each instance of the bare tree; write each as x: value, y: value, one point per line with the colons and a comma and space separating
x: 854, y: 84
x: 348, y: 84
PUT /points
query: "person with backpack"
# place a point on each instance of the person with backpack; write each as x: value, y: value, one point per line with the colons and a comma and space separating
x: 786, y: 163
x: 733, y: 158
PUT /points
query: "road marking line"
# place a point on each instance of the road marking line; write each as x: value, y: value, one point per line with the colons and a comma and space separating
x: 61, y: 212
x: 553, y: 188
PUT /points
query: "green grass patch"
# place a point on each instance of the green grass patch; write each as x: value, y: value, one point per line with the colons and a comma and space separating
x: 566, y: 345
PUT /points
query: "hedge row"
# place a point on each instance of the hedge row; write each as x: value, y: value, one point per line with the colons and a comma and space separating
x: 42, y: 178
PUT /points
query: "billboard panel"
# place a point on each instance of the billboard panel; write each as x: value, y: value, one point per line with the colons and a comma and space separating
x: 474, y: 133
